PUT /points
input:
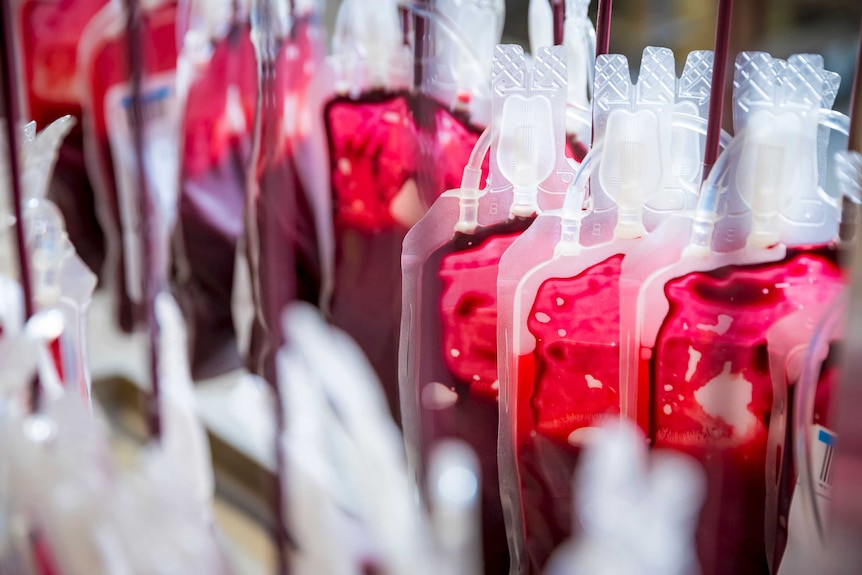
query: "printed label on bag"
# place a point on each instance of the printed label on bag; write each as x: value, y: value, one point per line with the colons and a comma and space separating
x: 160, y: 116
x: 804, y: 540
x: 823, y: 454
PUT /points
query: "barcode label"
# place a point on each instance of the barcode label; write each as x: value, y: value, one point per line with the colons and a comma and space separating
x: 155, y: 106
x: 823, y: 453
x: 160, y: 115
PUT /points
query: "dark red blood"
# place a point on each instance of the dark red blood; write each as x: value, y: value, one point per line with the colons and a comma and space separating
x: 827, y: 385
x: 468, y: 309
x: 458, y: 294
x: 211, y: 201
x: 56, y: 350
x: 374, y: 145
x: 44, y: 562
x: 366, y: 300
x: 575, y: 149
x: 372, y: 156
x: 108, y: 68
x: 49, y: 33
x: 570, y: 381
x: 730, y: 443
x: 283, y: 226
x: 545, y: 467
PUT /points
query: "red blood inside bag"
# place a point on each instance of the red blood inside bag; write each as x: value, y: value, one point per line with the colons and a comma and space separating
x: 372, y: 154
x: 219, y: 114
x: 712, y: 391
x: 576, y: 149
x: 576, y: 323
x: 568, y: 383
x: 49, y: 35
x: 374, y: 166
x: 469, y: 314
x: 458, y: 361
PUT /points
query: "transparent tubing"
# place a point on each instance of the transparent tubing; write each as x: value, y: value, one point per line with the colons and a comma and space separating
x: 835, y: 120
x: 471, y: 182
x: 806, y: 389
x: 591, y: 65
x: 573, y: 207
x: 707, y: 205
x: 703, y: 224
x: 573, y: 204
x: 473, y: 170
x: 451, y: 30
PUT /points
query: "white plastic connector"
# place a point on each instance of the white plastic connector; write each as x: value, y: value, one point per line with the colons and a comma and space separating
x: 367, y: 35
x: 525, y: 153
x: 573, y: 215
x: 630, y: 166
x: 480, y: 25
x: 808, y: 214
x: 777, y: 179
x: 703, y: 223
x: 770, y: 163
x: 712, y: 192
x: 529, y: 110
x: 471, y: 183
x: 683, y: 171
x: 468, y: 216
x: 635, y: 125
x: 48, y: 247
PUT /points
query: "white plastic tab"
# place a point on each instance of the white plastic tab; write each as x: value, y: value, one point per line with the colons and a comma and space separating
x: 630, y: 140
x: 529, y: 154
x: 778, y: 194
x: 366, y: 44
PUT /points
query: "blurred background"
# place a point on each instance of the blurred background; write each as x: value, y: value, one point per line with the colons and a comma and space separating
x: 780, y: 27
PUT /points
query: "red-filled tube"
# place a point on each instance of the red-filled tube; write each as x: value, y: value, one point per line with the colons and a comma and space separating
x: 716, y: 96
x: 12, y: 113
x: 153, y: 278
x: 603, y: 27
